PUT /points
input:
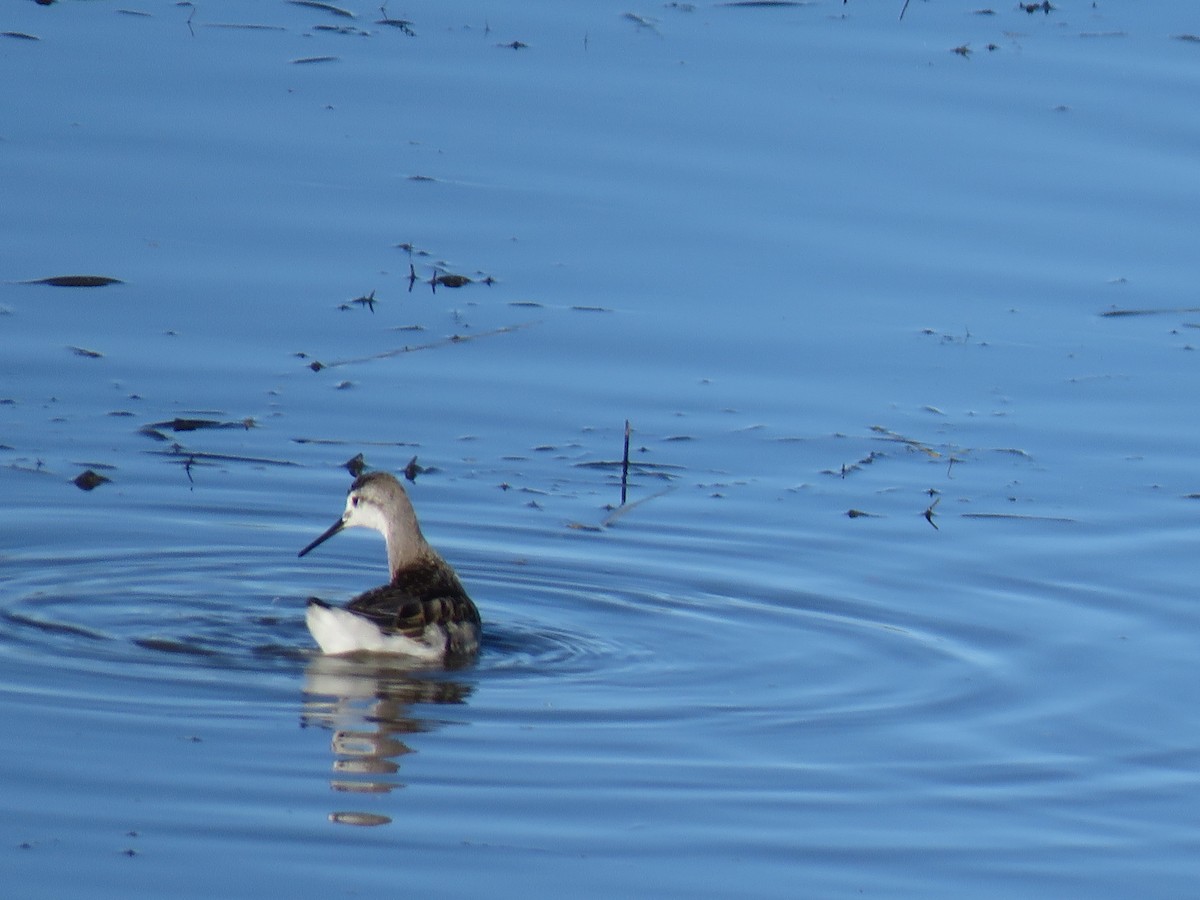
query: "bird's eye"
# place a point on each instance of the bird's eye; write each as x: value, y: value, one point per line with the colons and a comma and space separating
x: 354, y: 500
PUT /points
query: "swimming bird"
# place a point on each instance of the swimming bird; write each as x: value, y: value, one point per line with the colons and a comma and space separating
x: 423, y: 612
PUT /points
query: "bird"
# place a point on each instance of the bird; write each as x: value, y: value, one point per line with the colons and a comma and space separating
x: 423, y: 612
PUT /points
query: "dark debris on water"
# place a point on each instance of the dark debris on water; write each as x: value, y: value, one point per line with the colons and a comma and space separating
x: 179, y: 424
x: 324, y: 7
x: 89, y: 480
x: 75, y: 281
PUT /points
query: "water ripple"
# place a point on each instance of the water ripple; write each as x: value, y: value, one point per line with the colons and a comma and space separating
x: 596, y: 636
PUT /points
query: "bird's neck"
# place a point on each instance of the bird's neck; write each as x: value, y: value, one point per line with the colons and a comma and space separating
x: 406, y: 547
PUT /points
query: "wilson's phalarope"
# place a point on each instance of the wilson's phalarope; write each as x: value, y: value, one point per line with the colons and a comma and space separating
x: 423, y: 612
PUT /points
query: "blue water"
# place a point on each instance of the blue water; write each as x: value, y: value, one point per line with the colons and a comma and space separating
x: 821, y: 261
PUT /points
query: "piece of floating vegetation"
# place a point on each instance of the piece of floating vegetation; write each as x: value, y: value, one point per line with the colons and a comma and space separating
x: 413, y: 469
x: 1019, y: 516
x: 89, y: 480
x: 21, y: 35
x: 305, y: 60
x: 367, y: 300
x: 75, y: 281
x: 450, y: 280
x: 201, y: 424
x: 86, y: 353
x: 889, y: 435
x: 597, y: 309
x: 248, y: 26
x: 514, y: 45
x: 1191, y: 38
x: 412, y: 348
x: 641, y: 21
x: 339, y: 442
x: 360, y: 819
x: 859, y: 514
x: 190, y: 457
x: 765, y: 3
x: 1163, y: 311
x: 324, y: 7
x: 847, y: 468
x: 342, y: 29
x: 403, y: 24
x: 1045, y: 6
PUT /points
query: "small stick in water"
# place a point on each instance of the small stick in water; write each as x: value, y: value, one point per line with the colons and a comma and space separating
x: 625, y: 465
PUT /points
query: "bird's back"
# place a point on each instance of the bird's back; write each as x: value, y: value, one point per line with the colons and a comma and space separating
x: 422, y: 595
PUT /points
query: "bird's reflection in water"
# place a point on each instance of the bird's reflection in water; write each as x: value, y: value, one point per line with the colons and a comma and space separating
x: 366, y: 702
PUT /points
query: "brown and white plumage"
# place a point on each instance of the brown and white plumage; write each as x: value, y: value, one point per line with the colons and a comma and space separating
x: 424, y: 611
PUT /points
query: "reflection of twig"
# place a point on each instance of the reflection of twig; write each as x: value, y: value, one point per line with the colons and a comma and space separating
x: 621, y: 510
x: 412, y: 348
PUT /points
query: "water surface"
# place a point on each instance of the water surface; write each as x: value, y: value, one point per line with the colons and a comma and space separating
x: 901, y: 601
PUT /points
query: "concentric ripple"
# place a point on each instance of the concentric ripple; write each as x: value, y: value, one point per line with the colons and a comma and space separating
x: 575, y: 623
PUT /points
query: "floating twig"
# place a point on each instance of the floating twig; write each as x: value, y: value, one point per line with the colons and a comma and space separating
x: 192, y: 458
x: 412, y: 348
x: 324, y: 7
x: 403, y: 24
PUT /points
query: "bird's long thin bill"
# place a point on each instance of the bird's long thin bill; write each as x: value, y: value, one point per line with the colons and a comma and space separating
x: 333, y: 529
